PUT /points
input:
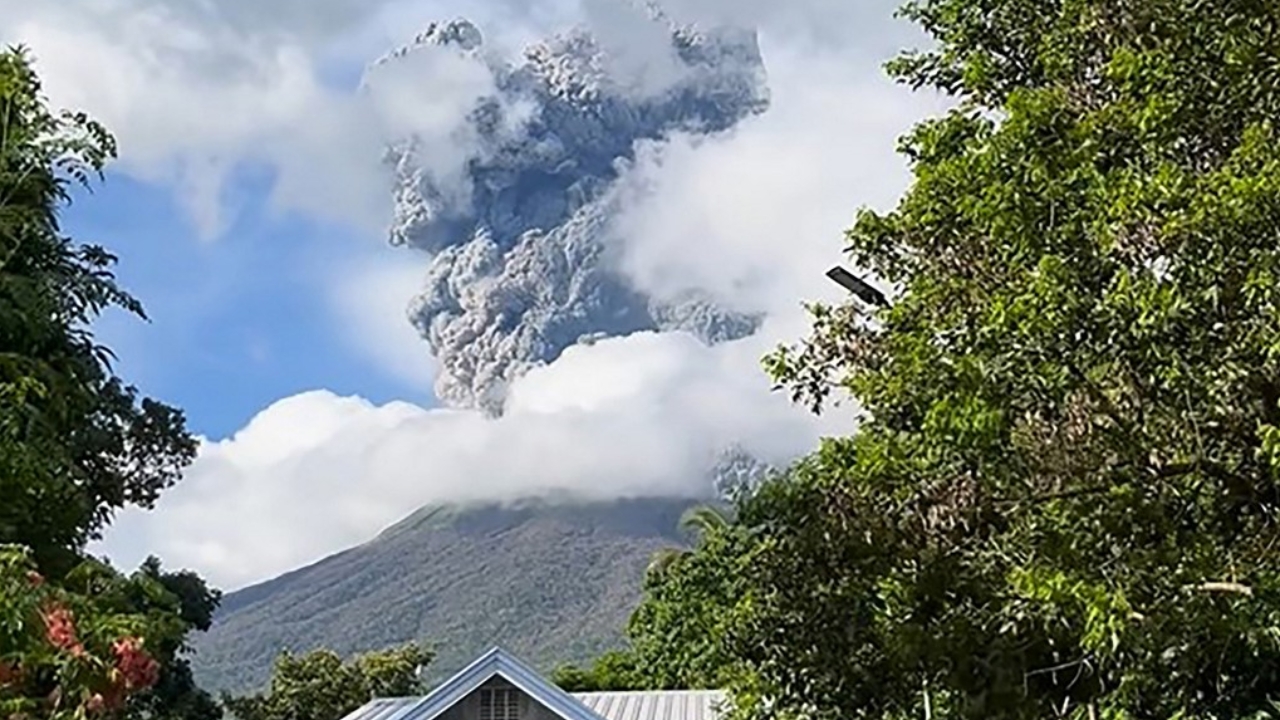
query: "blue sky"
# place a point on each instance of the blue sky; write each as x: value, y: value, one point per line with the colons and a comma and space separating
x: 238, y: 321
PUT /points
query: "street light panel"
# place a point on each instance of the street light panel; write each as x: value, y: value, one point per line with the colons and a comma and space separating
x: 857, y: 286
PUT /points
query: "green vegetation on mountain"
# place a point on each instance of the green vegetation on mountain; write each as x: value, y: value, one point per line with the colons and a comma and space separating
x: 548, y: 581
x: 77, y: 444
x: 1064, y: 499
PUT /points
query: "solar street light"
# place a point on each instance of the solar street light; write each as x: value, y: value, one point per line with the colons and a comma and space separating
x: 857, y: 286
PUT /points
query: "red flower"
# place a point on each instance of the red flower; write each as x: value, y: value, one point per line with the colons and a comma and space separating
x: 139, y: 669
x: 60, y: 629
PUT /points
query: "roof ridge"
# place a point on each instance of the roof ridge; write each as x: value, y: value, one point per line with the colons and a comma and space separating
x: 497, y: 662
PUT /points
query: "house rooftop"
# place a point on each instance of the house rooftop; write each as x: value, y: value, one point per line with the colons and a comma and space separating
x: 629, y: 705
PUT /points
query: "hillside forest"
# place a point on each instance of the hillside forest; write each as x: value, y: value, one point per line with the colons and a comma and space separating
x: 1062, y: 497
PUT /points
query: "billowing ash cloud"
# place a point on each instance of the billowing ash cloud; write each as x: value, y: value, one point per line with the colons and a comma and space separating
x: 514, y: 207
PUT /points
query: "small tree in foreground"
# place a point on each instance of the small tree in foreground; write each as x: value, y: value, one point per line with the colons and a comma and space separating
x: 320, y: 686
x: 61, y: 656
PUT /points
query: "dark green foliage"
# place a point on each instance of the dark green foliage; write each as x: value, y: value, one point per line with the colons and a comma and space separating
x: 176, y: 604
x: 320, y: 686
x: 76, y: 442
x: 1063, y: 498
x: 676, y: 636
x: 614, y: 670
x: 186, y: 597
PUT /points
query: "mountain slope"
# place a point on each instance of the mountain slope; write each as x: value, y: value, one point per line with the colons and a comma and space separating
x: 550, y: 582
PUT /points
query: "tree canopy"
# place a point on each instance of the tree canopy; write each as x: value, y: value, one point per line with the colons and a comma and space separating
x: 1062, y: 498
x: 63, y: 655
x: 321, y: 686
x: 676, y: 636
x: 76, y: 442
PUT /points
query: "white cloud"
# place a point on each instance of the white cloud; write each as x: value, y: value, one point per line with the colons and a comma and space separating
x: 194, y: 91
x: 370, y: 296
x: 315, y: 473
x: 756, y: 216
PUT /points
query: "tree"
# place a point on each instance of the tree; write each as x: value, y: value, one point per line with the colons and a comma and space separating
x: 62, y: 655
x: 76, y: 442
x: 676, y: 636
x: 613, y: 670
x: 1062, y: 500
x: 179, y: 603
x: 698, y: 522
x: 320, y: 686
x: 678, y: 632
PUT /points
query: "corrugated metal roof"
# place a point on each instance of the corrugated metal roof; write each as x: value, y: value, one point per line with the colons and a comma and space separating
x: 383, y: 708
x: 638, y: 705
x: 655, y: 705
